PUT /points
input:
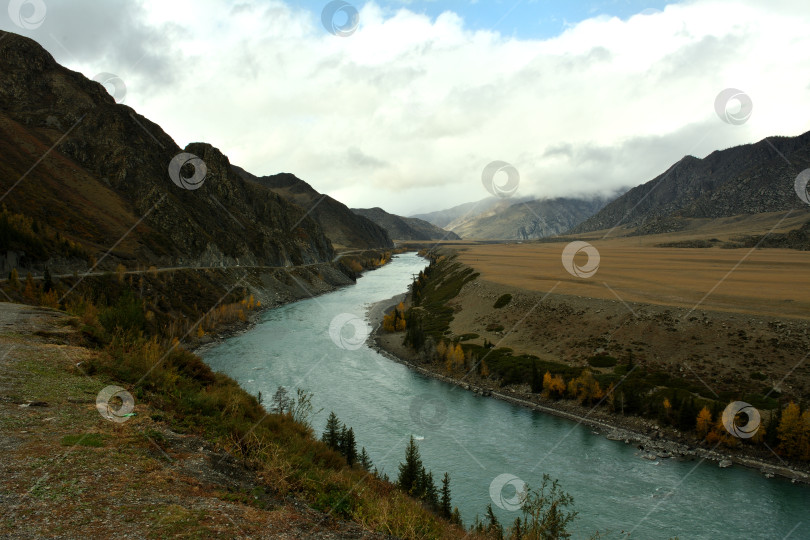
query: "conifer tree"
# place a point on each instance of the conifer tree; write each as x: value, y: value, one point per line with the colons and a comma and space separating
x: 410, y: 471
x: 365, y: 460
x: 537, y: 382
x: 331, y: 436
x: 350, y: 447
x: 445, y: 508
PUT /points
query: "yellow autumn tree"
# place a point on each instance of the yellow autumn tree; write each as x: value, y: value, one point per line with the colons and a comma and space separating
x: 704, y: 422
x: 553, y: 386
x: 790, y: 431
x: 585, y: 388
x: 667, y: 407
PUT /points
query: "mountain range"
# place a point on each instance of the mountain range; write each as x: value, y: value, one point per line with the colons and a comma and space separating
x: 405, y: 228
x: 746, y: 179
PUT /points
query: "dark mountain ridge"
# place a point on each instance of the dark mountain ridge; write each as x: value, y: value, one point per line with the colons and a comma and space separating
x: 404, y: 228
x: 746, y: 179
x: 96, y: 172
x: 342, y: 226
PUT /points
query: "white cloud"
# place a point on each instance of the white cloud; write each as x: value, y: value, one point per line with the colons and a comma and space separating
x: 406, y: 112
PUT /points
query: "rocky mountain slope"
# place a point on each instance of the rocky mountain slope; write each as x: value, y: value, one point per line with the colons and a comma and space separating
x: 403, y: 228
x: 94, y: 174
x: 451, y: 218
x: 343, y: 227
x: 529, y: 220
x: 747, y: 179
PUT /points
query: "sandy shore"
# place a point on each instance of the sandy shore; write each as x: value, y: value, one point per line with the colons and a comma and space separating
x: 652, y: 441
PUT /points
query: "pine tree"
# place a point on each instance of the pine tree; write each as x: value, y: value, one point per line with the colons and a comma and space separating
x: 430, y: 495
x: 350, y: 447
x: 445, y: 508
x: 365, y: 460
x: 537, y: 382
x: 331, y: 436
x: 410, y: 470
x: 47, y: 281
x: 341, y: 445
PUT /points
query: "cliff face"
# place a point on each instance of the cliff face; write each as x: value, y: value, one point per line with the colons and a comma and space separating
x: 97, y: 173
x: 343, y: 227
x: 748, y: 179
x: 404, y: 228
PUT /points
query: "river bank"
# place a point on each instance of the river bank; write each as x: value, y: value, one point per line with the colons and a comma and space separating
x: 653, y: 442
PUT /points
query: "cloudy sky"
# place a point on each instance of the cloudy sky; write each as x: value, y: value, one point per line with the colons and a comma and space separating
x: 406, y: 111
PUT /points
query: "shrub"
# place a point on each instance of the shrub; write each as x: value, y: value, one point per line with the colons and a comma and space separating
x: 602, y: 361
x: 502, y: 301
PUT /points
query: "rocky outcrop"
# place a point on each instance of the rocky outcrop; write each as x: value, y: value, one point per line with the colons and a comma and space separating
x: 103, y: 178
x: 343, y: 227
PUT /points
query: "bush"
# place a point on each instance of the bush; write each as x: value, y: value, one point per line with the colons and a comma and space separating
x: 602, y: 361
x: 502, y: 301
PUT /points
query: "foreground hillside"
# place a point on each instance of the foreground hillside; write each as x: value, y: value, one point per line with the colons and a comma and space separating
x: 194, y: 456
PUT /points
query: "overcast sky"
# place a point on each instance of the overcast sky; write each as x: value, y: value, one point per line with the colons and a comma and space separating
x: 404, y: 113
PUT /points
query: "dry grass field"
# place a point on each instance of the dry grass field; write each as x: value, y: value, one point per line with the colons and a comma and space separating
x: 772, y: 282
